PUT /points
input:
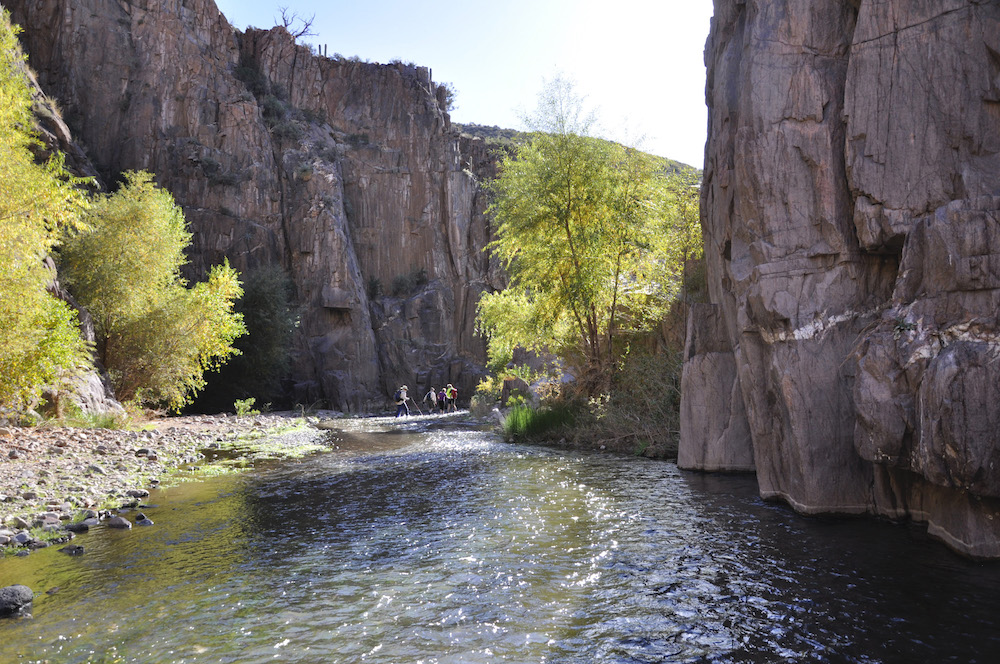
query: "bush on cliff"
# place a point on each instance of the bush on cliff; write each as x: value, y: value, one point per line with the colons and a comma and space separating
x: 155, y: 335
x: 41, y: 344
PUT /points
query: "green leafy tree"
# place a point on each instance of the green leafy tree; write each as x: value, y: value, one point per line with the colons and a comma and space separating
x: 41, y: 341
x: 578, y: 220
x: 155, y: 335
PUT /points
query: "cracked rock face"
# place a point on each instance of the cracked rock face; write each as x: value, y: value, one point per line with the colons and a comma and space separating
x: 851, y: 211
x: 344, y: 173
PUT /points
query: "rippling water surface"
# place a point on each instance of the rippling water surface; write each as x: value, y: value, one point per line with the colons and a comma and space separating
x: 443, y: 545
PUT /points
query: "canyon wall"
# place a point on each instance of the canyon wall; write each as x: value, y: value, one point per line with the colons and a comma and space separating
x: 345, y: 173
x: 851, y: 213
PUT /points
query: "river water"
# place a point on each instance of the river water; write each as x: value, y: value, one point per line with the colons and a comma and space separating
x: 424, y: 544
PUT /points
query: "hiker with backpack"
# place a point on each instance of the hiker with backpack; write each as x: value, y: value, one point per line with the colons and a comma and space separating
x: 431, y: 398
x: 441, y: 402
x: 451, y: 395
x: 400, y: 398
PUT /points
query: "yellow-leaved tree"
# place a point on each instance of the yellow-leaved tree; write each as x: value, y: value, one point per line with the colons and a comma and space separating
x: 587, y: 229
x: 41, y: 341
x: 155, y: 336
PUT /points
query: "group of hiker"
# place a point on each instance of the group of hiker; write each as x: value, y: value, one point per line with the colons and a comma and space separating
x: 443, y: 400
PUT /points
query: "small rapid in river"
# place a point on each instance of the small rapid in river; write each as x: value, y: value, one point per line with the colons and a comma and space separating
x: 421, y: 541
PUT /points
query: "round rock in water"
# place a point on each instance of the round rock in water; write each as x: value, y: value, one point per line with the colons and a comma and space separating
x: 73, y: 550
x: 14, y: 598
x: 118, y: 522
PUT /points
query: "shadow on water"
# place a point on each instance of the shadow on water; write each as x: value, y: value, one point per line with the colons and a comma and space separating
x: 845, y: 588
x: 420, y: 540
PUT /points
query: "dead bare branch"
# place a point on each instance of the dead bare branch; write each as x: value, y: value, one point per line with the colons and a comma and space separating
x: 289, y: 19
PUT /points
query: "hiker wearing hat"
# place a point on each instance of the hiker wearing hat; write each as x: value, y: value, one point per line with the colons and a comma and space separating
x: 451, y: 395
x: 431, y: 398
x: 400, y: 397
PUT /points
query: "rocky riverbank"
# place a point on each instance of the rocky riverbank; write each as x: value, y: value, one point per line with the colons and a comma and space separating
x: 54, y: 477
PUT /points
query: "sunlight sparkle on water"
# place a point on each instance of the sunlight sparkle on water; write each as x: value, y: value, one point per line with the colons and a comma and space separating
x: 420, y: 544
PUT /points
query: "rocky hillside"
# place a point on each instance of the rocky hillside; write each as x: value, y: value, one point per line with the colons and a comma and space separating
x: 851, y: 208
x: 347, y: 174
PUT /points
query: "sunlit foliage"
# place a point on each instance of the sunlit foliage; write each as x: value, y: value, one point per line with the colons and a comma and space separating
x: 155, y: 335
x: 41, y: 343
x: 594, y: 236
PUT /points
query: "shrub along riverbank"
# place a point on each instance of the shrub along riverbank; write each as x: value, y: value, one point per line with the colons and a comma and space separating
x: 639, y: 415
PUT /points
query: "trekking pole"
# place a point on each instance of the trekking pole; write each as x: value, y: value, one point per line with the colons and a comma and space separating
x: 416, y: 405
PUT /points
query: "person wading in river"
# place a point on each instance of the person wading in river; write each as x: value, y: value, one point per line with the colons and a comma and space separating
x: 431, y: 398
x: 401, y: 408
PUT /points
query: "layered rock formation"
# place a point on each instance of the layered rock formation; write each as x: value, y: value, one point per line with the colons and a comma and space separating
x: 346, y: 173
x: 851, y: 210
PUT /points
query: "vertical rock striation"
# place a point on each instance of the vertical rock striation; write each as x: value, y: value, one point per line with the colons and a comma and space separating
x: 346, y: 173
x: 850, y: 210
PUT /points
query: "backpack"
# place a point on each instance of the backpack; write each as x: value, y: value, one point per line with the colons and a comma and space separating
x: 398, y: 396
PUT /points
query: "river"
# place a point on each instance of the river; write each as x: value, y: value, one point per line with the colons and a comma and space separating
x: 422, y: 544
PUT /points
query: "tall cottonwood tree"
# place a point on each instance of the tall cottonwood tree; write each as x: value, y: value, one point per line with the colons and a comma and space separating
x: 41, y: 342
x: 579, y: 226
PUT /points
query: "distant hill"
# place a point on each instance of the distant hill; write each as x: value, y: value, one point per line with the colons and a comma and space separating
x: 492, y: 134
x: 502, y: 136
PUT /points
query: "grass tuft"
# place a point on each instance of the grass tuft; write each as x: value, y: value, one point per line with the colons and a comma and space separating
x: 525, y: 422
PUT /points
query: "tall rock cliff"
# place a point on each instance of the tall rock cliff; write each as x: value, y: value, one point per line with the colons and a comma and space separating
x: 345, y: 173
x: 851, y: 211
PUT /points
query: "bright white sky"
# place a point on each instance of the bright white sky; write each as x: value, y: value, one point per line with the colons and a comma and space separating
x: 638, y: 62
